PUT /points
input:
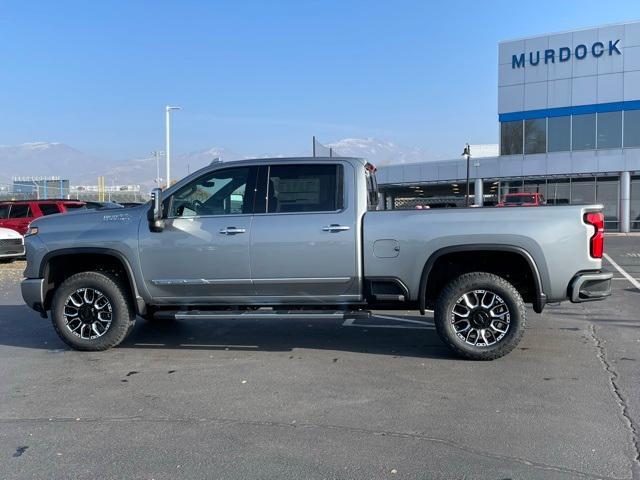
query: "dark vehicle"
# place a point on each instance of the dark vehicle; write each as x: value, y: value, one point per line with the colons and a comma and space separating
x: 522, y: 200
x: 18, y: 214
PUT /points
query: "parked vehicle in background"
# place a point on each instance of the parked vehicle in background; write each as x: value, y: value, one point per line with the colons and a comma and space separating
x: 303, y: 236
x: 11, y: 245
x: 522, y: 200
x: 18, y: 214
x: 91, y: 205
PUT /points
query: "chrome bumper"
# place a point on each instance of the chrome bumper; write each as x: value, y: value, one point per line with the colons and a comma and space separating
x: 33, y: 293
x: 590, y: 286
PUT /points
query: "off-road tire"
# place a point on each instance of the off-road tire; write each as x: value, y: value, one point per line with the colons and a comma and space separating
x: 122, y: 317
x: 469, y: 282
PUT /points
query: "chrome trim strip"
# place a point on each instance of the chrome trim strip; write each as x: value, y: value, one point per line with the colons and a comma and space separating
x: 277, y: 281
x: 201, y: 281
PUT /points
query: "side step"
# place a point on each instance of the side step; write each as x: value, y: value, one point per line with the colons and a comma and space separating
x: 256, y: 314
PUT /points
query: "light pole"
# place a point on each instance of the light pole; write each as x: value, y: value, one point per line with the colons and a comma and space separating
x: 157, y: 154
x: 467, y: 154
x: 167, y: 111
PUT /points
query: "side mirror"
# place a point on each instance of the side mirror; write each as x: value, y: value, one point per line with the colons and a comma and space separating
x: 156, y: 222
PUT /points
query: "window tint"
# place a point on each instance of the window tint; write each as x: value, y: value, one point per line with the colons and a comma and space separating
x: 535, y: 140
x: 559, y: 134
x: 49, y: 208
x: 20, y: 211
x: 4, y: 211
x: 632, y: 128
x: 511, y: 138
x: 219, y: 193
x: 304, y: 188
x: 584, y: 132
x: 610, y: 130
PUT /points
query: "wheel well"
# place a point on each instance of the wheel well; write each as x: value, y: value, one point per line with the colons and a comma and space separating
x: 511, y: 266
x: 61, y: 267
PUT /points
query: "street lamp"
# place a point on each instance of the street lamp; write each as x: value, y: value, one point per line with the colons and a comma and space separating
x: 167, y: 111
x: 467, y: 154
x: 157, y: 154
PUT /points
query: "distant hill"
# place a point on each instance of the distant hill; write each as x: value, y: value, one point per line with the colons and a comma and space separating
x: 52, y: 158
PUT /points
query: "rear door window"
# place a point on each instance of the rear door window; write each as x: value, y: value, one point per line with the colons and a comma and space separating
x: 20, y: 211
x: 304, y: 188
x: 49, y: 208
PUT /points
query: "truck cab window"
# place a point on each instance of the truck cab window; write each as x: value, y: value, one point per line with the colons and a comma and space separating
x: 304, y: 188
x: 20, y: 211
x: 218, y: 193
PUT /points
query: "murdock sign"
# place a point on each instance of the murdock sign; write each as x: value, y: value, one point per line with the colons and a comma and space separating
x: 563, y: 54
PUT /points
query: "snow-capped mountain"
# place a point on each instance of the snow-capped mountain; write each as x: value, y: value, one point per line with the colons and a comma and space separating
x: 379, y: 152
x: 143, y: 170
x: 45, y: 158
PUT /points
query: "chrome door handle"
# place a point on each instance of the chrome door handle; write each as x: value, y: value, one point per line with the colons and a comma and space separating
x: 232, y: 231
x: 335, y: 228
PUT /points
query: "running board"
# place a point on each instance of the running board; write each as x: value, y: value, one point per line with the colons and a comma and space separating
x: 256, y: 314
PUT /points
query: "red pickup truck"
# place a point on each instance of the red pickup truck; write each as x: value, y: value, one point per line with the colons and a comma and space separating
x: 522, y: 200
x: 18, y: 214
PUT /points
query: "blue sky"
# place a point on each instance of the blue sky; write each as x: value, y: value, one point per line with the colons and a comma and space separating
x: 263, y: 76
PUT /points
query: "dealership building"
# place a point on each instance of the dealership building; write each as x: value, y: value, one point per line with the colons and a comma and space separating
x: 569, y: 127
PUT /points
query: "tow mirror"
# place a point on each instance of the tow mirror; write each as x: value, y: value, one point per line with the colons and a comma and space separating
x: 156, y: 222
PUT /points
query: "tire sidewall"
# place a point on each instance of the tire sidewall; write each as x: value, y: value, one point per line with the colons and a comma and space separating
x: 121, y: 311
x: 495, y: 284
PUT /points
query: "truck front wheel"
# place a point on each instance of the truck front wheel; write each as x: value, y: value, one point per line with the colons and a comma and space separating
x: 480, y: 316
x: 91, y: 311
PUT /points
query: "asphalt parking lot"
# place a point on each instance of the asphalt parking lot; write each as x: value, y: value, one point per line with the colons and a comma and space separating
x: 324, y: 398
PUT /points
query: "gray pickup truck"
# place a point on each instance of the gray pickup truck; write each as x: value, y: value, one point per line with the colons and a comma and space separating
x: 303, y: 236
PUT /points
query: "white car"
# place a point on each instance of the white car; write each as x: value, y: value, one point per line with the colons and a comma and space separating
x: 11, y: 245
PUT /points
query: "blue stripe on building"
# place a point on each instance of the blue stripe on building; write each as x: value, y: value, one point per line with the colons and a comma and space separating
x: 566, y: 111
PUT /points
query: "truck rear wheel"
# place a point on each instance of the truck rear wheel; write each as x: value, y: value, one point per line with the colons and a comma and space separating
x: 91, y: 311
x: 480, y: 316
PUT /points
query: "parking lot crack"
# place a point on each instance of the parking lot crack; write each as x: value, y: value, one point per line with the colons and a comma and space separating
x: 341, y: 428
x: 620, y: 400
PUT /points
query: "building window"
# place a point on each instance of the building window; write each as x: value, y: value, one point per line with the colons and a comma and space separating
x: 583, y: 191
x: 635, y: 203
x: 535, y: 136
x: 610, y: 130
x: 559, y: 134
x: 607, y: 194
x: 558, y: 191
x: 511, y: 138
x: 584, y: 132
x: 632, y: 128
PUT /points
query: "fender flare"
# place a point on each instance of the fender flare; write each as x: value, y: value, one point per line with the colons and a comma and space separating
x: 140, y: 304
x: 540, y: 298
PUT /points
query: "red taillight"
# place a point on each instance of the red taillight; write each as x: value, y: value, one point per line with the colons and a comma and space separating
x: 597, y: 240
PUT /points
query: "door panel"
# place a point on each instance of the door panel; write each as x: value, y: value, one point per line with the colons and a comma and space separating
x: 202, y: 254
x: 306, y: 257
x: 192, y: 258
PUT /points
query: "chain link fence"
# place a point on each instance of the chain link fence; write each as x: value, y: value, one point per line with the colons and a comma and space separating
x: 9, y: 192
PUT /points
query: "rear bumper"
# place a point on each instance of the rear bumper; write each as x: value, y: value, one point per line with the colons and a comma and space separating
x: 33, y: 293
x: 590, y: 286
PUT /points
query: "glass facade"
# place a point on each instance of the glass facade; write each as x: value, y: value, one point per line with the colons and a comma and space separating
x: 634, y: 217
x: 559, y: 134
x: 511, y: 138
x: 535, y: 136
x: 575, y: 132
x: 609, y: 130
x: 583, y: 135
x: 632, y: 128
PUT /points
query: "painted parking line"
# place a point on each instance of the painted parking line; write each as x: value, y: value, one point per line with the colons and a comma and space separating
x: 411, y: 324
x: 632, y: 280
